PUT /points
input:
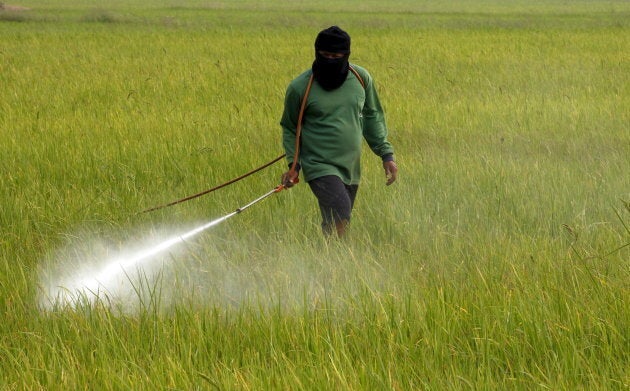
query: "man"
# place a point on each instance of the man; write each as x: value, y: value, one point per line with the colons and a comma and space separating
x: 341, y: 107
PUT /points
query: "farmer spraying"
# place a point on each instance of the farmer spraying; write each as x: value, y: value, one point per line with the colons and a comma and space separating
x: 328, y: 109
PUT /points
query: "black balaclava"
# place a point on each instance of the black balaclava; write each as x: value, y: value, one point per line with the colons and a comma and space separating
x: 331, y: 73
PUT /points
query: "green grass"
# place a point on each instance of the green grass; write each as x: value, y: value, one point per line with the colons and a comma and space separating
x: 499, y: 260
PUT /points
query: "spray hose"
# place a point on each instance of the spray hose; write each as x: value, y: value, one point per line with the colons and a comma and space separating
x: 215, y: 187
x: 292, y: 170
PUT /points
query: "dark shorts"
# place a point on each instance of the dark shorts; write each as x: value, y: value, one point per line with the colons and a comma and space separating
x: 335, y: 198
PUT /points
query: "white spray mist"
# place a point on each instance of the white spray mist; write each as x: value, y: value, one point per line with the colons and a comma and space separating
x: 166, y: 269
x: 91, y: 271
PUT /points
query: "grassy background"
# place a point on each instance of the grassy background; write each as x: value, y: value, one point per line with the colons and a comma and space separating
x: 496, y: 262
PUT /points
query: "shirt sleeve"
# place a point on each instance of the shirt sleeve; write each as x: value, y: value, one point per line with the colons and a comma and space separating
x: 289, y: 121
x: 374, y: 127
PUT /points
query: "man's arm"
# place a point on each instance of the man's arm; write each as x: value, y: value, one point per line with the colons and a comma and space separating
x: 375, y: 130
x: 292, y: 102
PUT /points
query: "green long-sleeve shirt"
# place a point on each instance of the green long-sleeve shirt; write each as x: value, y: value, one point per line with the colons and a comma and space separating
x: 333, y: 126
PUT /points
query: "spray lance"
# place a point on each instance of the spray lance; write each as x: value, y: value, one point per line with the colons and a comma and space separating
x: 88, y: 285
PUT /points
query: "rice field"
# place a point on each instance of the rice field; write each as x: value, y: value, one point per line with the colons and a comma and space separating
x: 500, y: 258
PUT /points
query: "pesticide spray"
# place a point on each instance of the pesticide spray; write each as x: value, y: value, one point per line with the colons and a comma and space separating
x: 89, y: 285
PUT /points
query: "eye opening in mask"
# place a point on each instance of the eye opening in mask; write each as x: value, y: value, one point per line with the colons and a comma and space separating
x: 330, y: 55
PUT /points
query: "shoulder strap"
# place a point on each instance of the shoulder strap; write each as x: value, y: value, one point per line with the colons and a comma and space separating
x: 358, y: 76
x: 298, y: 130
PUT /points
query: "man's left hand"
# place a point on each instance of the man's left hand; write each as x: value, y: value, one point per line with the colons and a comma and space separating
x: 391, y: 171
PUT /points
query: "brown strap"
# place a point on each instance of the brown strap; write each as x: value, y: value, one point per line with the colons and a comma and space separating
x: 298, y: 129
x: 358, y: 77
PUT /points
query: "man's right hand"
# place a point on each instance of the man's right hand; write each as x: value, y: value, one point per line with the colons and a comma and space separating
x: 289, y: 179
